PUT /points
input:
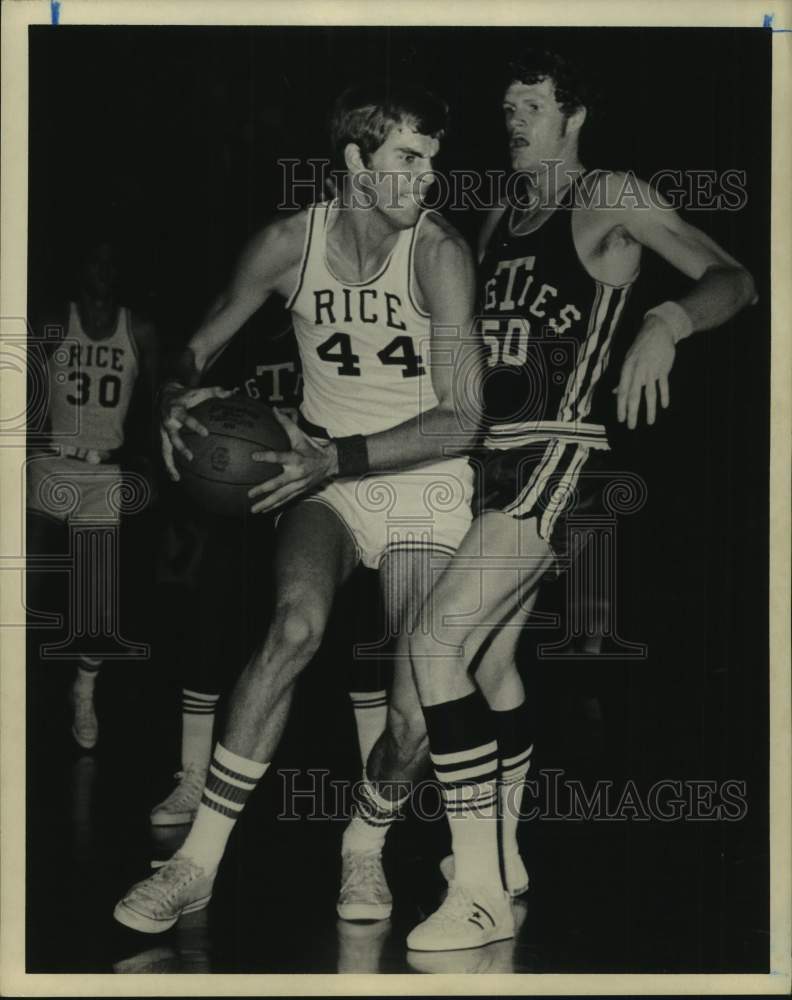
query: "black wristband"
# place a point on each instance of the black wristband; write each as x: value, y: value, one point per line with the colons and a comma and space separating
x: 352, y: 456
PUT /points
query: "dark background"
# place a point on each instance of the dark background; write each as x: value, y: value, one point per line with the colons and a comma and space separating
x: 172, y: 136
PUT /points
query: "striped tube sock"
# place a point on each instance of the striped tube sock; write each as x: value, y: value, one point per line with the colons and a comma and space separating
x: 464, y: 753
x: 198, y: 712
x: 372, y: 817
x: 371, y: 714
x: 513, y: 727
x: 229, y: 783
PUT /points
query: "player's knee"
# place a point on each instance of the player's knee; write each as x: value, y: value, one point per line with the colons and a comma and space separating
x: 432, y: 653
x: 298, y: 629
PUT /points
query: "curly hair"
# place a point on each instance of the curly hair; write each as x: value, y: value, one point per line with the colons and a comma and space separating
x: 572, y: 90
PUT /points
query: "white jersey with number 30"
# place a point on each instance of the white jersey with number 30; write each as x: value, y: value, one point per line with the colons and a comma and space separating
x: 363, y: 345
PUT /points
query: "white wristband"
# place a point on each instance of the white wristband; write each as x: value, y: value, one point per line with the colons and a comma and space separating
x: 675, y: 317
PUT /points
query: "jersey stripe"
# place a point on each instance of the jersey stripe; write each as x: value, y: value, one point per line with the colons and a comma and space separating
x: 562, y: 492
x: 596, y: 320
x: 411, y: 267
x: 305, y: 255
x: 604, y: 353
x: 505, y: 436
x: 528, y: 495
x: 605, y: 316
x: 127, y: 320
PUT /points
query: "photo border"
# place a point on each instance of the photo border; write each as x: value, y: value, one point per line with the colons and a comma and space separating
x: 17, y: 16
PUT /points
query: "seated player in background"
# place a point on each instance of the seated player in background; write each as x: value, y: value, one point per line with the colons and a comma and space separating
x: 554, y: 276
x: 101, y: 356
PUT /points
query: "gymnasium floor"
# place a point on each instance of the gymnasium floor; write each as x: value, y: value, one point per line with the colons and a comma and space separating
x: 606, y: 896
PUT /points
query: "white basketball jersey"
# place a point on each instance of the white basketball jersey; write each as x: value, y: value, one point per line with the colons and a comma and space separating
x: 91, y: 383
x: 363, y: 345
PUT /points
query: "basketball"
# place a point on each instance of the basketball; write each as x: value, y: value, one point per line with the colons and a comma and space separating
x: 222, y: 469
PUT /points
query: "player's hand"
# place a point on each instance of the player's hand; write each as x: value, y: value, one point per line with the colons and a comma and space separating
x: 175, y: 401
x: 306, y: 466
x: 645, y: 373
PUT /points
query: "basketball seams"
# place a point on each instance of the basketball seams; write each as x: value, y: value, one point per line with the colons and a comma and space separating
x: 222, y: 470
x: 190, y: 469
x: 223, y: 482
x: 232, y: 437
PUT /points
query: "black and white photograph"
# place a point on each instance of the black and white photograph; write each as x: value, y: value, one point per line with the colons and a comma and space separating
x: 396, y: 557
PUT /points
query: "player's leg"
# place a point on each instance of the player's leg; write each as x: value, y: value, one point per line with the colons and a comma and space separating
x: 401, y: 751
x: 462, y: 730
x: 496, y: 674
x: 515, y: 724
x: 85, y: 725
x: 94, y: 587
x: 407, y: 579
x: 369, y: 675
x: 368, y: 693
x: 47, y: 536
x: 95, y: 594
x: 314, y: 553
x: 211, y: 634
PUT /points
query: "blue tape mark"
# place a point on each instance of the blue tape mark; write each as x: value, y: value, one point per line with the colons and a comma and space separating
x: 55, y: 11
x: 767, y: 22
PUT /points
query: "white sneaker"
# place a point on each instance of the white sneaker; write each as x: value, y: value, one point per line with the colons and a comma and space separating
x: 517, y: 880
x: 181, y: 805
x: 150, y: 961
x: 364, y: 892
x: 85, y: 725
x: 495, y: 957
x: 156, y: 903
x: 468, y: 918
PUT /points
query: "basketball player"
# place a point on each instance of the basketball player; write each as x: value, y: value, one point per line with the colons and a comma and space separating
x: 102, y: 354
x: 229, y: 587
x: 232, y: 592
x: 555, y: 273
x: 381, y: 295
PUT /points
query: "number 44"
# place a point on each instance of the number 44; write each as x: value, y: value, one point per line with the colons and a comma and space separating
x: 400, y: 351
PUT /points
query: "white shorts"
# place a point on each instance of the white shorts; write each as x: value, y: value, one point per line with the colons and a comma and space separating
x: 69, y: 489
x: 424, y: 507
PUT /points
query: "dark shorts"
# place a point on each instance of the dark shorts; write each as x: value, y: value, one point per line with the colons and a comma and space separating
x: 549, y: 481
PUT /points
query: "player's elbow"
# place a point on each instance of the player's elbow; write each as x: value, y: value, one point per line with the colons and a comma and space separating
x: 739, y: 282
x: 749, y: 294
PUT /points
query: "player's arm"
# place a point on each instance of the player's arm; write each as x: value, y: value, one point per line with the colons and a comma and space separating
x: 49, y: 327
x: 147, y: 344
x: 445, y: 272
x: 144, y: 334
x: 446, y: 277
x: 262, y: 269
x: 722, y: 287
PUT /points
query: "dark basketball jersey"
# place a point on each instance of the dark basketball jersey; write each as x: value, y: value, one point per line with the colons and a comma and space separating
x: 547, y: 327
x: 262, y: 360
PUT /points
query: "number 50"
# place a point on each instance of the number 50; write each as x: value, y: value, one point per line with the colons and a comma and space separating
x: 512, y: 349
